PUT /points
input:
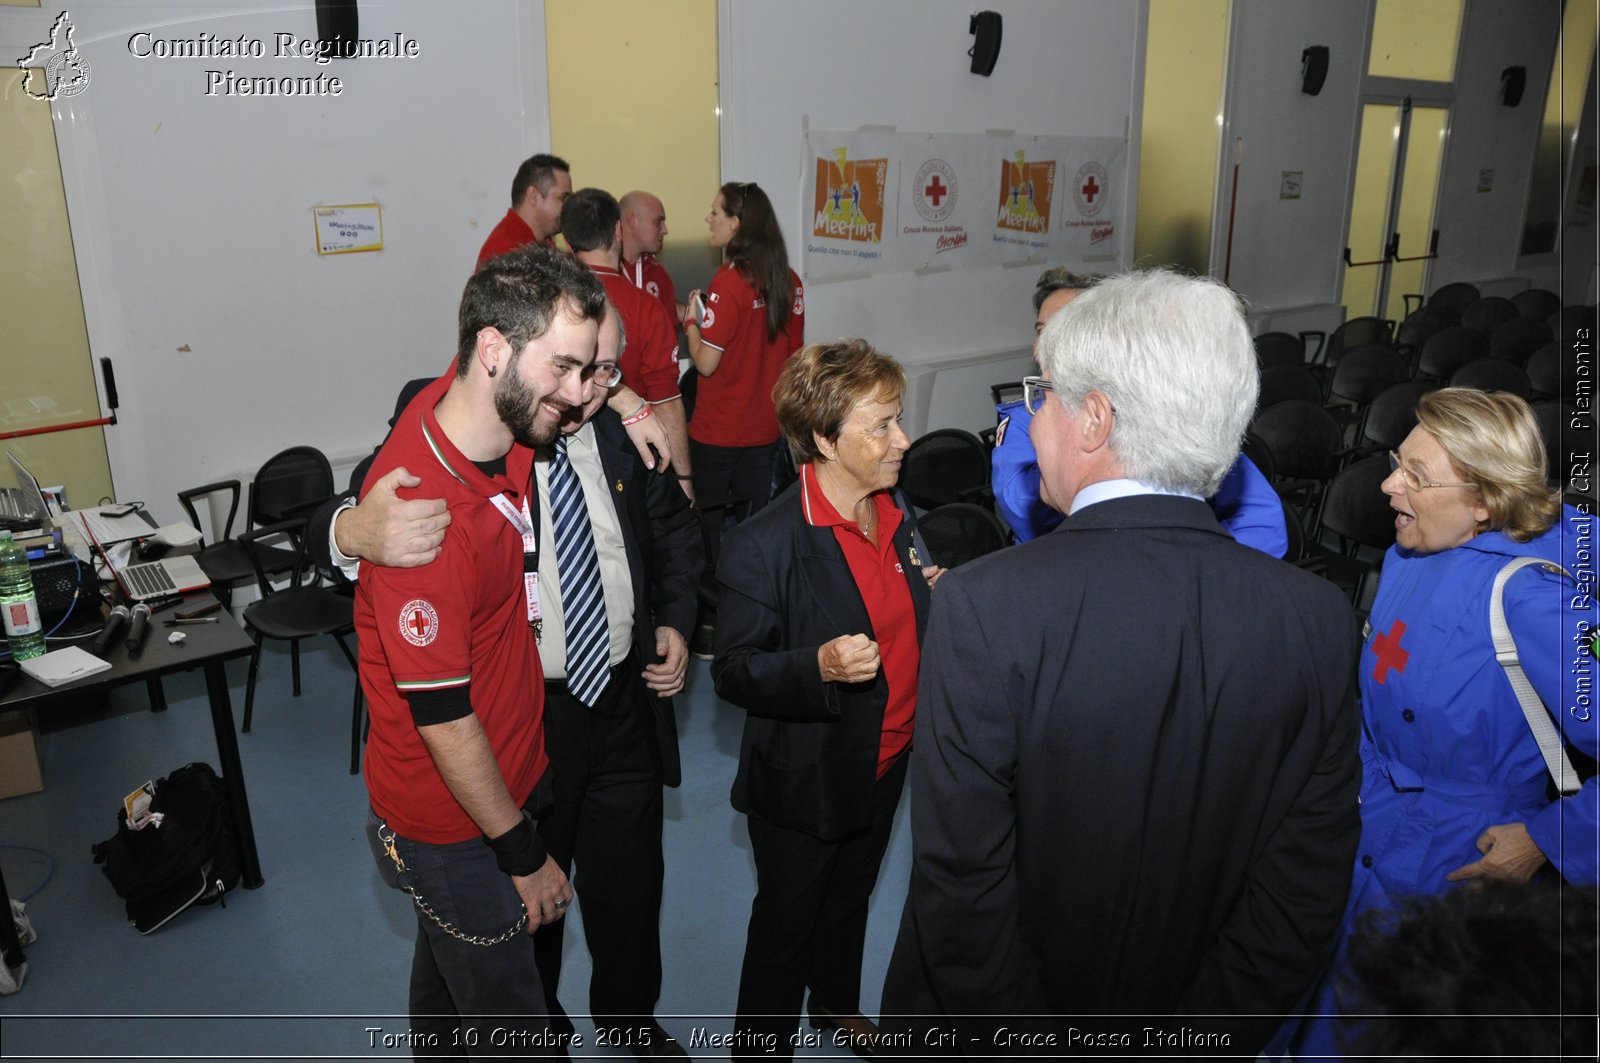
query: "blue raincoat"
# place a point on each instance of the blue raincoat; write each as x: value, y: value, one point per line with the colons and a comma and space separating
x: 1446, y: 750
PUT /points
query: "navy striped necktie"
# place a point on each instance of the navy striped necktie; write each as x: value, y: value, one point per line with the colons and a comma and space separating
x: 583, y: 605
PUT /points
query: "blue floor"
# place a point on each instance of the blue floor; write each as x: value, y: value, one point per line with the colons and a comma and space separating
x: 314, y: 964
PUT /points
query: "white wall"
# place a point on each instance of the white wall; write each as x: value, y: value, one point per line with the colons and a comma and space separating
x: 1286, y: 252
x: 1069, y: 67
x: 1479, y: 232
x: 192, y: 221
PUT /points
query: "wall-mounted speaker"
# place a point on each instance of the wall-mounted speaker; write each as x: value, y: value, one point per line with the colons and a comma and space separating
x: 1513, y: 79
x: 985, y: 26
x: 338, y: 22
x: 1313, y: 69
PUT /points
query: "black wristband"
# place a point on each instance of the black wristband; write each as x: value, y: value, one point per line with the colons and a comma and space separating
x: 520, y: 850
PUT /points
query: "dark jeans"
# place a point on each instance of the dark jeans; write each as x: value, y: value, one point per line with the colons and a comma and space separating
x: 723, y: 473
x: 607, y: 818
x: 808, y: 924
x: 466, y: 997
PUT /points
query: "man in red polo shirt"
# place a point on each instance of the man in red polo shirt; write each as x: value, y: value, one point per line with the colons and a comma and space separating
x: 592, y: 222
x: 644, y: 230
x: 541, y: 186
x: 455, y: 759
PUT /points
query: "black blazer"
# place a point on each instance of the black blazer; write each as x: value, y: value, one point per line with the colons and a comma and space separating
x: 660, y: 531
x: 809, y: 755
x: 666, y: 554
x: 1136, y: 778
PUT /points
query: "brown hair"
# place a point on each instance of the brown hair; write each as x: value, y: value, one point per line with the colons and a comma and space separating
x: 1493, y: 439
x: 823, y: 382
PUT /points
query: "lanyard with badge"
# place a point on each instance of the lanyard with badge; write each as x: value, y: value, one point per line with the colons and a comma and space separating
x: 522, y: 520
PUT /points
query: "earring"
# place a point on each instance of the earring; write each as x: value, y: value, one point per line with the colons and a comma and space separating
x: 493, y: 369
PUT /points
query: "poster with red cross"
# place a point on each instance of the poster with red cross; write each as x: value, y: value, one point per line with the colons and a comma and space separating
x: 897, y: 202
x: 1093, y: 202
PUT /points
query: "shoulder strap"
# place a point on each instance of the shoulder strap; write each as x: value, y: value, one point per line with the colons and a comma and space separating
x: 1505, y: 651
x: 919, y: 546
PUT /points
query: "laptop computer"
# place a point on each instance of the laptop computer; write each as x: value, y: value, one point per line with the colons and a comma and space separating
x: 29, y: 502
x: 150, y: 580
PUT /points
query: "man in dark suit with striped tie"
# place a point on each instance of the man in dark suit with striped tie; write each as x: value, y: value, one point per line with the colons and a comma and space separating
x: 619, y: 562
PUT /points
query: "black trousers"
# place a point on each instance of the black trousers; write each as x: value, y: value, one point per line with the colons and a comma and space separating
x: 721, y: 473
x: 607, y: 821
x: 808, y: 924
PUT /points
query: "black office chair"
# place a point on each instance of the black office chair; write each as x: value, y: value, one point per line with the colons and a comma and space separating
x: 1448, y: 350
x: 1007, y: 391
x: 1392, y: 415
x: 1361, y: 376
x: 1420, y: 326
x: 1279, y: 348
x: 299, y: 611
x: 1488, y: 314
x: 1286, y: 383
x: 1357, y: 512
x: 288, y: 484
x: 1457, y: 296
x: 1518, y: 338
x: 957, y: 532
x: 1357, y: 332
x: 1491, y: 374
x: 1544, y: 372
x: 945, y: 465
x: 1306, y: 444
x: 1536, y: 303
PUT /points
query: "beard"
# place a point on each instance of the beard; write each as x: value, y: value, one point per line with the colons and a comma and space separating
x: 520, y: 411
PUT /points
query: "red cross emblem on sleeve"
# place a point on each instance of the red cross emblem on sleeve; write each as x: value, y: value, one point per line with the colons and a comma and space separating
x: 1386, y: 647
x: 419, y: 623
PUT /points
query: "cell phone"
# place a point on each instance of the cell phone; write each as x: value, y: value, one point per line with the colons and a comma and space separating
x: 697, y: 306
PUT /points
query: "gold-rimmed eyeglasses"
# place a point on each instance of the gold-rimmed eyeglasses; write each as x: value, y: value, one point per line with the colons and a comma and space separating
x: 1414, y: 482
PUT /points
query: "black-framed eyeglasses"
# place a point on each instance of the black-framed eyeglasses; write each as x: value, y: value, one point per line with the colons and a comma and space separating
x: 1414, y: 482
x: 1033, y: 389
x: 607, y: 374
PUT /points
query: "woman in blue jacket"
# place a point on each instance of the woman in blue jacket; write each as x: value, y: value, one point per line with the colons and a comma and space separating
x: 1454, y: 787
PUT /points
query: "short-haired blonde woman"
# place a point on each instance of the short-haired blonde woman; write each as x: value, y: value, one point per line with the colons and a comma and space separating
x: 819, y: 633
x: 1454, y: 786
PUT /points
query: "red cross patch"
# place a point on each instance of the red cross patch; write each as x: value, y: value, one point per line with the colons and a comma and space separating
x: 1386, y: 647
x: 419, y: 623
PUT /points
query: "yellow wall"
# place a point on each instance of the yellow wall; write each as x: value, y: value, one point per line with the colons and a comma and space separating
x: 633, y: 104
x: 1184, y: 70
x: 1415, y: 39
x: 44, y: 360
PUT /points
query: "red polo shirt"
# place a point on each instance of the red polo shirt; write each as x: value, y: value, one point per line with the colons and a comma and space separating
x: 460, y: 620
x: 511, y: 233
x: 648, y: 273
x: 734, y: 405
x: 650, y: 356
x: 881, y: 577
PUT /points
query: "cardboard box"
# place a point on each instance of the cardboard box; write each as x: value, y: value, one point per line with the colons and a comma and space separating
x: 19, y: 756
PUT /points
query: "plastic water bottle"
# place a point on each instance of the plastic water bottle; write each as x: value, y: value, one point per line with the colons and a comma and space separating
x: 19, y: 607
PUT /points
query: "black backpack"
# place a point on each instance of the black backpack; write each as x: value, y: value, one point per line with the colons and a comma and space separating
x: 191, y: 858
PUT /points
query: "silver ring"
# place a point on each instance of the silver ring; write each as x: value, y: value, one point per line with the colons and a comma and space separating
x: 561, y: 905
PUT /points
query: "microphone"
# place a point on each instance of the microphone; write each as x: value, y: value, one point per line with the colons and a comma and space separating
x: 118, y: 617
x: 140, y: 626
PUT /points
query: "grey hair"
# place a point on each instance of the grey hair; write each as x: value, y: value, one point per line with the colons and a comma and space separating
x: 1173, y: 355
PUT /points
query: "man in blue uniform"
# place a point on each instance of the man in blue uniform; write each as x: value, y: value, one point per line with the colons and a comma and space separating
x: 1245, y: 504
